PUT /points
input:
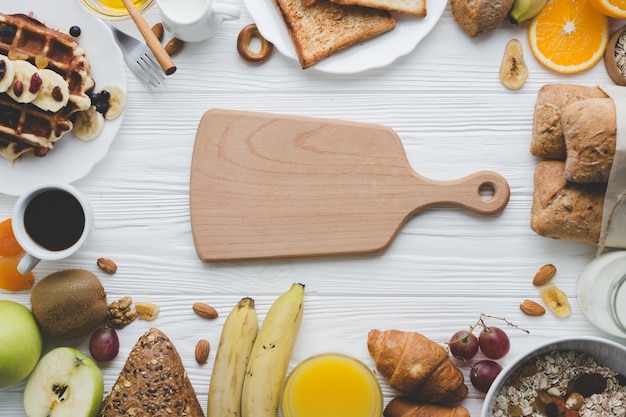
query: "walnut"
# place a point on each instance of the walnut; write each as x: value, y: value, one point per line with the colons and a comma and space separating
x: 120, y: 313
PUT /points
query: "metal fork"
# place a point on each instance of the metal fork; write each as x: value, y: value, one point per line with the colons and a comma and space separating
x: 139, y: 57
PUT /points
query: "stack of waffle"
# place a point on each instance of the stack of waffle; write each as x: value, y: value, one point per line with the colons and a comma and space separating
x: 25, y: 127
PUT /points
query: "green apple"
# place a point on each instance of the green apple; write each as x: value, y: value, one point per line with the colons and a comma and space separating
x: 65, y: 382
x: 20, y: 343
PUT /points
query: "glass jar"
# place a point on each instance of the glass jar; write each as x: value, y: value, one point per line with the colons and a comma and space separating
x: 601, y: 292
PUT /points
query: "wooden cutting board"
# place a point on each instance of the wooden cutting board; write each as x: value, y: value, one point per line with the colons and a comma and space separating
x: 269, y: 186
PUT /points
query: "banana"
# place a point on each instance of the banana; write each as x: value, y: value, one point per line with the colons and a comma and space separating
x: 555, y: 300
x: 7, y: 73
x: 88, y: 124
x: 271, y: 352
x: 513, y: 70
x: 54, y: 93
x: 26, y: 75
x: 117, y: 101
x: 524, y: 10
x: 238, y: 335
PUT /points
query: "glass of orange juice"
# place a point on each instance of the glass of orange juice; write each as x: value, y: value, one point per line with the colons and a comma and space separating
x: 332, y: 385
x: 113, y: 9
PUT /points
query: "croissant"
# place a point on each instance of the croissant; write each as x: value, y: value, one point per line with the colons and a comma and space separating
x: 406, y: 407
x: 416, y: 366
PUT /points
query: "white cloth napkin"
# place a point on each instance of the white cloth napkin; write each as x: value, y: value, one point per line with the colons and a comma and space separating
x: 613, y: 232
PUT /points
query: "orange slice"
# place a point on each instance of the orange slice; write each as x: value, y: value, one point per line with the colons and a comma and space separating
x: 8, y: 244
x: 569, y: 35
x: 611, y: 8
x: 11, y: 279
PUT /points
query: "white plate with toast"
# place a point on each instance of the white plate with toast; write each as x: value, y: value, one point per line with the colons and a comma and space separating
x: 72, y: 158
x: 374, y: 53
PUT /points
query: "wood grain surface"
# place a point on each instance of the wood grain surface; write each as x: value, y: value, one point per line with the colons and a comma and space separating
x: 272, y: 186
x: 444, y: 267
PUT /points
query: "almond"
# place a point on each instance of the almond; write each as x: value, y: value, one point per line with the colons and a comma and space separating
x: 107, y: 265
x: 544, y: 275
x: 157, y: 29
x: 532, y: 308
x: 202, y: 351
x: 204, y: 310
x: 174, y: 46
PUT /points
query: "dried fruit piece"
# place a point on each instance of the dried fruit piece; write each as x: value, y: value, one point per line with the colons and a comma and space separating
x: 202, y: 351
x: 532, y: 308
x: 107, y: 265
x: 11, y: 279
x: 8, y: 243
x: 204, y: 310
x: 555, y: 300
x: 544, y: 275
x: 147, y: 311
x: 589, y: 384
x: 513, y: 69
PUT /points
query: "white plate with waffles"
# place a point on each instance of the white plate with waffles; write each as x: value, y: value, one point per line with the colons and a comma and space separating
x: 374, y: 53
x: 72, y: 158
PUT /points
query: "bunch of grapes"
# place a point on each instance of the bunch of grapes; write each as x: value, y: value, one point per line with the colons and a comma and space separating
x: 492, y: 341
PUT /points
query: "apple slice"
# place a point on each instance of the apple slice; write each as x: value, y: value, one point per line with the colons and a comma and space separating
x: 65, y: 382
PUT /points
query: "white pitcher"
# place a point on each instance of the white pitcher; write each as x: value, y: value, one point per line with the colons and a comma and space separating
x: 195, y: 20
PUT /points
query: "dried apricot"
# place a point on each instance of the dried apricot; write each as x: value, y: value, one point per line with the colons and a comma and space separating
x: 8, y: 244
x: 11, y: 279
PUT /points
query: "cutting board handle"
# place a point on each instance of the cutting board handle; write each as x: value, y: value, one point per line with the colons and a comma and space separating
x: 484, y: 192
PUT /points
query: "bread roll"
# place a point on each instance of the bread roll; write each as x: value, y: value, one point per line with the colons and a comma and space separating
x: 565, y: 210
x: 590, y: 133
x: 547, y: 133
x: 476, y: 16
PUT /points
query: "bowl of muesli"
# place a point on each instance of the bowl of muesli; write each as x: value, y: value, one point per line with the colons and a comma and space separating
x: 569, y: 377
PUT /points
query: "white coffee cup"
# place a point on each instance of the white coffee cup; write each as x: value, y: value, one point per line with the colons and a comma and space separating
x: 51, y: 222
x: 195, y: 20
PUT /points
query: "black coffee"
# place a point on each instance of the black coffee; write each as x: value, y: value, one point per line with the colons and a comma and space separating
x: 54, y: 219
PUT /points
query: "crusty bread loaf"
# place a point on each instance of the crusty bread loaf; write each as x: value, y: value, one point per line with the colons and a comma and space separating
x: 547, y: 133
x: 153, y: 382
x: 323, y: 28
x: 590, y: 133
x: 565, y: 210
x: 476, y: 16
x: 411, y: 7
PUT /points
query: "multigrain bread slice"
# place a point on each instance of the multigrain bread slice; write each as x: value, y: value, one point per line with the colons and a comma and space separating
x: 323, y: 28
x: 410, y: 7
x: 152, y: 383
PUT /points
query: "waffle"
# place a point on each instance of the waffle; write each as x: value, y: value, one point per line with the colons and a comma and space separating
x: 24, y: 127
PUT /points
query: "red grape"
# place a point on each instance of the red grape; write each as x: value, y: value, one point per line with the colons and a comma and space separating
x: 463, y: 344
x: 104, y: 344
x: 494, y: 342
x: 483, y: 374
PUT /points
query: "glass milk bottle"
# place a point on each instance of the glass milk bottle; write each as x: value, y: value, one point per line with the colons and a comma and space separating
x: 601, y: 291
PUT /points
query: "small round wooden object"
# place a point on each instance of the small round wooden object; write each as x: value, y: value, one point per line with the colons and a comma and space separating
x: 243, y: 45
x: 609, y: 59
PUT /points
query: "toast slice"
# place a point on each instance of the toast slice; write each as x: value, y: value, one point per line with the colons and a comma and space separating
x: 323, y: 28
x: 410, y: 7
x: 153, y: 382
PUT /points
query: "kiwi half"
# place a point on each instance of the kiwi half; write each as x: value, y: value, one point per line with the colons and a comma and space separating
x: 68, y: 304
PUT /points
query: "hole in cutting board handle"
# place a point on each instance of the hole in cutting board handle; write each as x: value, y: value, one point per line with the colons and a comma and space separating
x: 487, y: 190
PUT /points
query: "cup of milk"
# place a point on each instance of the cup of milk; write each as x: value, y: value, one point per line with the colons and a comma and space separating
x: 195, y: 20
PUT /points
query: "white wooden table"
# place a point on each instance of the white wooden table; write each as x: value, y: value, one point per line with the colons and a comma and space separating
x: 444, y: 268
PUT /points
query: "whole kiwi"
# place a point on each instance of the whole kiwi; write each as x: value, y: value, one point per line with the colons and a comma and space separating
x: 68, y: 304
